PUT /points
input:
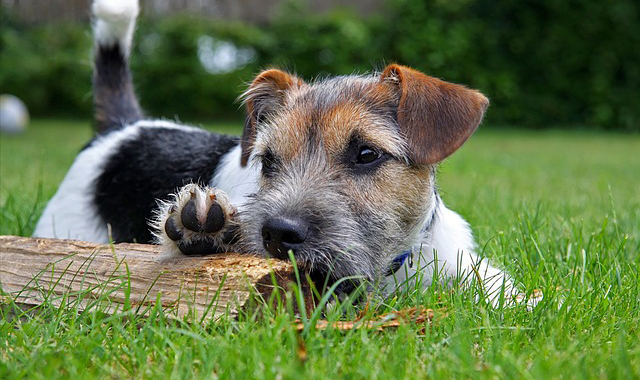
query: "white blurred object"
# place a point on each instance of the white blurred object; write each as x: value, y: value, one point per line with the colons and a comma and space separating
x: 14, y: 115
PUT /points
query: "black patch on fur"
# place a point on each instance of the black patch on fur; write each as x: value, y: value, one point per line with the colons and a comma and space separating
x: 114, y: 99
x: 149, y: 167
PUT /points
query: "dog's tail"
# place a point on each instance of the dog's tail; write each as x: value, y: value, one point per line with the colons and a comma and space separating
x: 114, y: 99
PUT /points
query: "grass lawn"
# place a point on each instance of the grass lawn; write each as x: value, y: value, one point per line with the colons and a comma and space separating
x: 558, y: 210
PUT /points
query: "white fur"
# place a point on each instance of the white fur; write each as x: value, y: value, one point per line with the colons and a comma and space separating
x: 237, y: 181
x: 115, y: 22
x: 452, y: 241
x: 445, y: 252
x: 71, y: 213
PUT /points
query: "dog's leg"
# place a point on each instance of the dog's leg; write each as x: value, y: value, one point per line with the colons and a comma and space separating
x: 115, y: 102
x: 199, y: 220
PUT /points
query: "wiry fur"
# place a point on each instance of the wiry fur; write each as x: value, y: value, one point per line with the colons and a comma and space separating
x: 339, y: 245
x: 360, y: 224
x: 298, y: 160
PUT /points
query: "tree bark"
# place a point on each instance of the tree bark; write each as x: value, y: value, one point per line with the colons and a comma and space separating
x: 124, y: 277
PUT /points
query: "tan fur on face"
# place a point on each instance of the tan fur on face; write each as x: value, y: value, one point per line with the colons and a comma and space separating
x: 348, y: 119
x: 360, y: 216
x: 263, y: 97
x: 398, y: 190
x: 288, y: 130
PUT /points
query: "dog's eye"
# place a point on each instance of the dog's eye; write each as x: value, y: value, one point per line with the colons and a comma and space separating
x: 362, y: 158
x: 367, y: 155
x: 268, y: 163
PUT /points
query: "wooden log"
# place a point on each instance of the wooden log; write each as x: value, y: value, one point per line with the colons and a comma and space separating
x: 135, y: 276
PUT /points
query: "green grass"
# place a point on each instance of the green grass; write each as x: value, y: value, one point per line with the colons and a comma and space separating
x: 559, y: 210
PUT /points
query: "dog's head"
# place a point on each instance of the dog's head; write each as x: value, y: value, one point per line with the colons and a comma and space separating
x: 348, y: 164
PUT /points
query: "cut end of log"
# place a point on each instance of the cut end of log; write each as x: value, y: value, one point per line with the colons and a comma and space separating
x: 120, y: 276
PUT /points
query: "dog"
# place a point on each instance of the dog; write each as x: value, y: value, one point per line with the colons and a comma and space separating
x: 340, y: 173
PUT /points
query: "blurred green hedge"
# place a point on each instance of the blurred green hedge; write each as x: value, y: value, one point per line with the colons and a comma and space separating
x: 542, y: 63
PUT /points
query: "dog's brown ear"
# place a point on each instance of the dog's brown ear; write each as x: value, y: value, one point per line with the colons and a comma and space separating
x: 436, y: 117
x: 265, y: 95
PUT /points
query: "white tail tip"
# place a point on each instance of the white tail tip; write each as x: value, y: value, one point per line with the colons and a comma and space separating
x: 115, y: 21
x: 116, y: 10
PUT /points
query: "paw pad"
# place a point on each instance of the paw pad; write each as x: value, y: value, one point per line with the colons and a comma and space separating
x: 198, y: 221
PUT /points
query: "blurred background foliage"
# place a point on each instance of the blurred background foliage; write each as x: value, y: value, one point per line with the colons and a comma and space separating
x: 545, y: 63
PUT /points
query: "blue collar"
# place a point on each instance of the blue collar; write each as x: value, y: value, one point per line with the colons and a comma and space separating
x: 397, y: 262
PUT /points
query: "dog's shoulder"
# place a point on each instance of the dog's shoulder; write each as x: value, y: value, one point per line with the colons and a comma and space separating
x: 164, y: 150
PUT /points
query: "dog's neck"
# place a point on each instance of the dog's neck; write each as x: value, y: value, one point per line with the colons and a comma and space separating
x: 425, y: 229
x: 444, y: 242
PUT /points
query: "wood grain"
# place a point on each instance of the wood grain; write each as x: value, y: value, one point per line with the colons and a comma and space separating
x: 134, y: 276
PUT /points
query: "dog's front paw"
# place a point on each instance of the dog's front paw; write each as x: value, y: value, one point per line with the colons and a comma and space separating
x: 199, y: 221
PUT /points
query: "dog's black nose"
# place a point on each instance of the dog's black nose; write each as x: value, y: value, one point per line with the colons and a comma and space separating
x: 282, y: 234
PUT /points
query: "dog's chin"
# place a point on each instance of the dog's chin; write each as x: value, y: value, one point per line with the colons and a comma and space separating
x: 324, y: 280
x: 341, y: 282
